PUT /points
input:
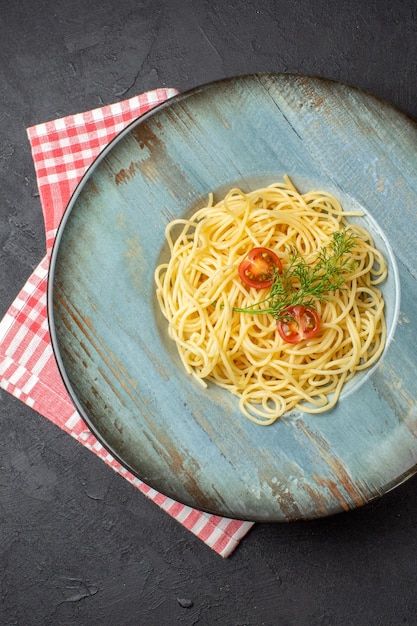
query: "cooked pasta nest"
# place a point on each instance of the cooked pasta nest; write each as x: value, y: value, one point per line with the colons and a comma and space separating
x: 199, y: 288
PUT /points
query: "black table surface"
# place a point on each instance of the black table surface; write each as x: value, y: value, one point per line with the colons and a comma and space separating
x: 78, y: 544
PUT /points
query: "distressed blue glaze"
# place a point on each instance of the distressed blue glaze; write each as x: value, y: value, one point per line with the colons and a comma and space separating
x: 122, y: 371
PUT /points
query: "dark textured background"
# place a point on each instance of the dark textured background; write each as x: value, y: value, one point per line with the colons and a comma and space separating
x: 78, y: 544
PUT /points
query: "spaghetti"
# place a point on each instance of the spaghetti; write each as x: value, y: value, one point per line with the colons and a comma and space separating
x: 204, y: 300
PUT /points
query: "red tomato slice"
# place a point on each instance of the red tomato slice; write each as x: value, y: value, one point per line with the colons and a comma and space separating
x: 304, y: 324
x: 258, y: 268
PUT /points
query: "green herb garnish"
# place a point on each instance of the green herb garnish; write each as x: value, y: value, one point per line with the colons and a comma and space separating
x: 302, y: 283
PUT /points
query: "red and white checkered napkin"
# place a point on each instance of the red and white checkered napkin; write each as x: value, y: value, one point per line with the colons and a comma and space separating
x: 62, y: 151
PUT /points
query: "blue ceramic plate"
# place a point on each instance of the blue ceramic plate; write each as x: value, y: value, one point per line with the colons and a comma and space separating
x: 111, y: 343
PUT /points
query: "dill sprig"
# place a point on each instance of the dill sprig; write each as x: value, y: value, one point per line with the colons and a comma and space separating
x: 302, y: 283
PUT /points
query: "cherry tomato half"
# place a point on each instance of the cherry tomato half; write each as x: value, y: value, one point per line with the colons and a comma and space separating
x: 258, y: 268
x: 303, y: 323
